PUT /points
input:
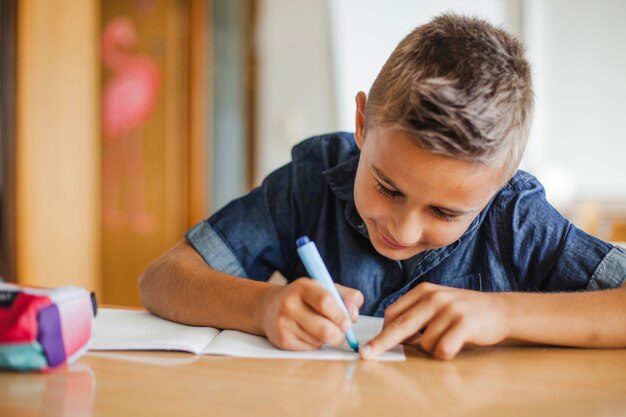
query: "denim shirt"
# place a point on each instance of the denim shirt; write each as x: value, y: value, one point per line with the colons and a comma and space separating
x: 519, y: 242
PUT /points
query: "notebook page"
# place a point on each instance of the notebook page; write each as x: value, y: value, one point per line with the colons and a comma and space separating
x: 236, y: 343
x: 118, y: 329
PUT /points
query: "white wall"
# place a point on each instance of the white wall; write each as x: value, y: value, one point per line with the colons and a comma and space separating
x: 295, y: 97
x: 578, y: 52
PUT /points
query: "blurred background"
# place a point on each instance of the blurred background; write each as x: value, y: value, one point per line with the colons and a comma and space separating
x: 125, y: 122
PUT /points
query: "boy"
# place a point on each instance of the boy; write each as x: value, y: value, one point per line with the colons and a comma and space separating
x: 420, y: 217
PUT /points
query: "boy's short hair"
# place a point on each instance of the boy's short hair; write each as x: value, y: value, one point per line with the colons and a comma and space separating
x: 459, y: 87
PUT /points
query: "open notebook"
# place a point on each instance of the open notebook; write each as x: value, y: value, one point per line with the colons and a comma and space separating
x: 118, y: 329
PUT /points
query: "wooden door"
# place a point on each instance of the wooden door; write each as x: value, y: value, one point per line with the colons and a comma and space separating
x: 148, y: 195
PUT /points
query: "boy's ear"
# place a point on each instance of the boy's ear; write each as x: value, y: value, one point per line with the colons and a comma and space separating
x: 359, y: 133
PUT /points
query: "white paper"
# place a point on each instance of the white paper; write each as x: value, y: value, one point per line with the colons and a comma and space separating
x: 251, y: 346
x: 118, y: 329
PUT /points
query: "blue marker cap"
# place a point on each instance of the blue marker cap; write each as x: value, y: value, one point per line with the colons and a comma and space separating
x: 302, y: 240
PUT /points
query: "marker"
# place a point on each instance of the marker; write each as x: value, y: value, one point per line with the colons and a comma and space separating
x: 317, y: 270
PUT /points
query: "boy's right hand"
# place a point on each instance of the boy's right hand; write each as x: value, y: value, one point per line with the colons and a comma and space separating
x: 303, y: 315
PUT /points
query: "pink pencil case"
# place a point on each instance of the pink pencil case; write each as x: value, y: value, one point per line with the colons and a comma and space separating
x: 42, y: 329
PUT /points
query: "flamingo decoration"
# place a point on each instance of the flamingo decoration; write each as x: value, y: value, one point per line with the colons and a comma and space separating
x: 128, y: 99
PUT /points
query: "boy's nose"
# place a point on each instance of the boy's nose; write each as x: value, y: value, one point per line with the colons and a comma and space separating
x: 406, y: 230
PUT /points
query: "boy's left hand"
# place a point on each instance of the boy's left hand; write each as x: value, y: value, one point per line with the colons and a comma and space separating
x: 449, y: 318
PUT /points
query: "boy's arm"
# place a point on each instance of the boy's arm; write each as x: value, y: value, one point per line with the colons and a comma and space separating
x: 181, y: 287
x: 443, y: 319
x: 593, y: 319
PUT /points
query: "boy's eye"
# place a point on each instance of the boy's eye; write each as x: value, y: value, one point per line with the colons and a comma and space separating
x: 445, y: 216
x: 395, y: 195
x: 387, y: 192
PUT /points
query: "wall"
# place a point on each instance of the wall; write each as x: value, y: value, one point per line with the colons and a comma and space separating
x: 295, y: 86
x: 578, y: 55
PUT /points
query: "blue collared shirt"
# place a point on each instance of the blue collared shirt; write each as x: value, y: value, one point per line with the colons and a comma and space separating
x: 519, y: 242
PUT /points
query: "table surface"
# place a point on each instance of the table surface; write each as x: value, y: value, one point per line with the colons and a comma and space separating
x: 498, y: 381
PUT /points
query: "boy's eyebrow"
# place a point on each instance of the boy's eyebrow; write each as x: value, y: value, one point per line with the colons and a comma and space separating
x: 454, y: 211
x: 384, y: 178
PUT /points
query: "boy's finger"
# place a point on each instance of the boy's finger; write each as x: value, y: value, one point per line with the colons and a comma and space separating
x: 351, y: 295
x: 409, y: 299
x: 298, y: 345
x: 387, y: 339
x: 354, y: 312
x: 320, y: 328
x: 353, y: 299
x: 321, y: 301
x: 324, y: 332
x: 307, y: 338
x: 451, y: 343
x: 395, y: 332
x: 437, y: 327
x: 294, y: 337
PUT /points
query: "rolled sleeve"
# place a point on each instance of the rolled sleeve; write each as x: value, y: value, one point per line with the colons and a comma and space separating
x: 214, y: 250
x: 611, y: 272
x: 580, y: 258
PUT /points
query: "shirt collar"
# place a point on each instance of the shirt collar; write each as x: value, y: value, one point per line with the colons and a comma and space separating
x: 340, y: 178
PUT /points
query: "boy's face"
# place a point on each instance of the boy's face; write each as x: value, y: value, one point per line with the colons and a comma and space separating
x: 412, y: 200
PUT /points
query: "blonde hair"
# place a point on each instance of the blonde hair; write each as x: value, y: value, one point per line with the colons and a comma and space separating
x: 459, y: 87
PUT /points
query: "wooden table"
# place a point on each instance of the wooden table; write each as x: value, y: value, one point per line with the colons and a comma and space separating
x: 500, y: 381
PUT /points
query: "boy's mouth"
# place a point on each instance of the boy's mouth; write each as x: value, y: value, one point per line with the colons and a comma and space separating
x: 391, y: 243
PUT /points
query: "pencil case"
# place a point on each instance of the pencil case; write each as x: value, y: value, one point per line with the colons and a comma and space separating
x: 41, y: 329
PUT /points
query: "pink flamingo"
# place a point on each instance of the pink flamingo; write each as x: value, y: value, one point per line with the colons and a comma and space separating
x: 127, y: 100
